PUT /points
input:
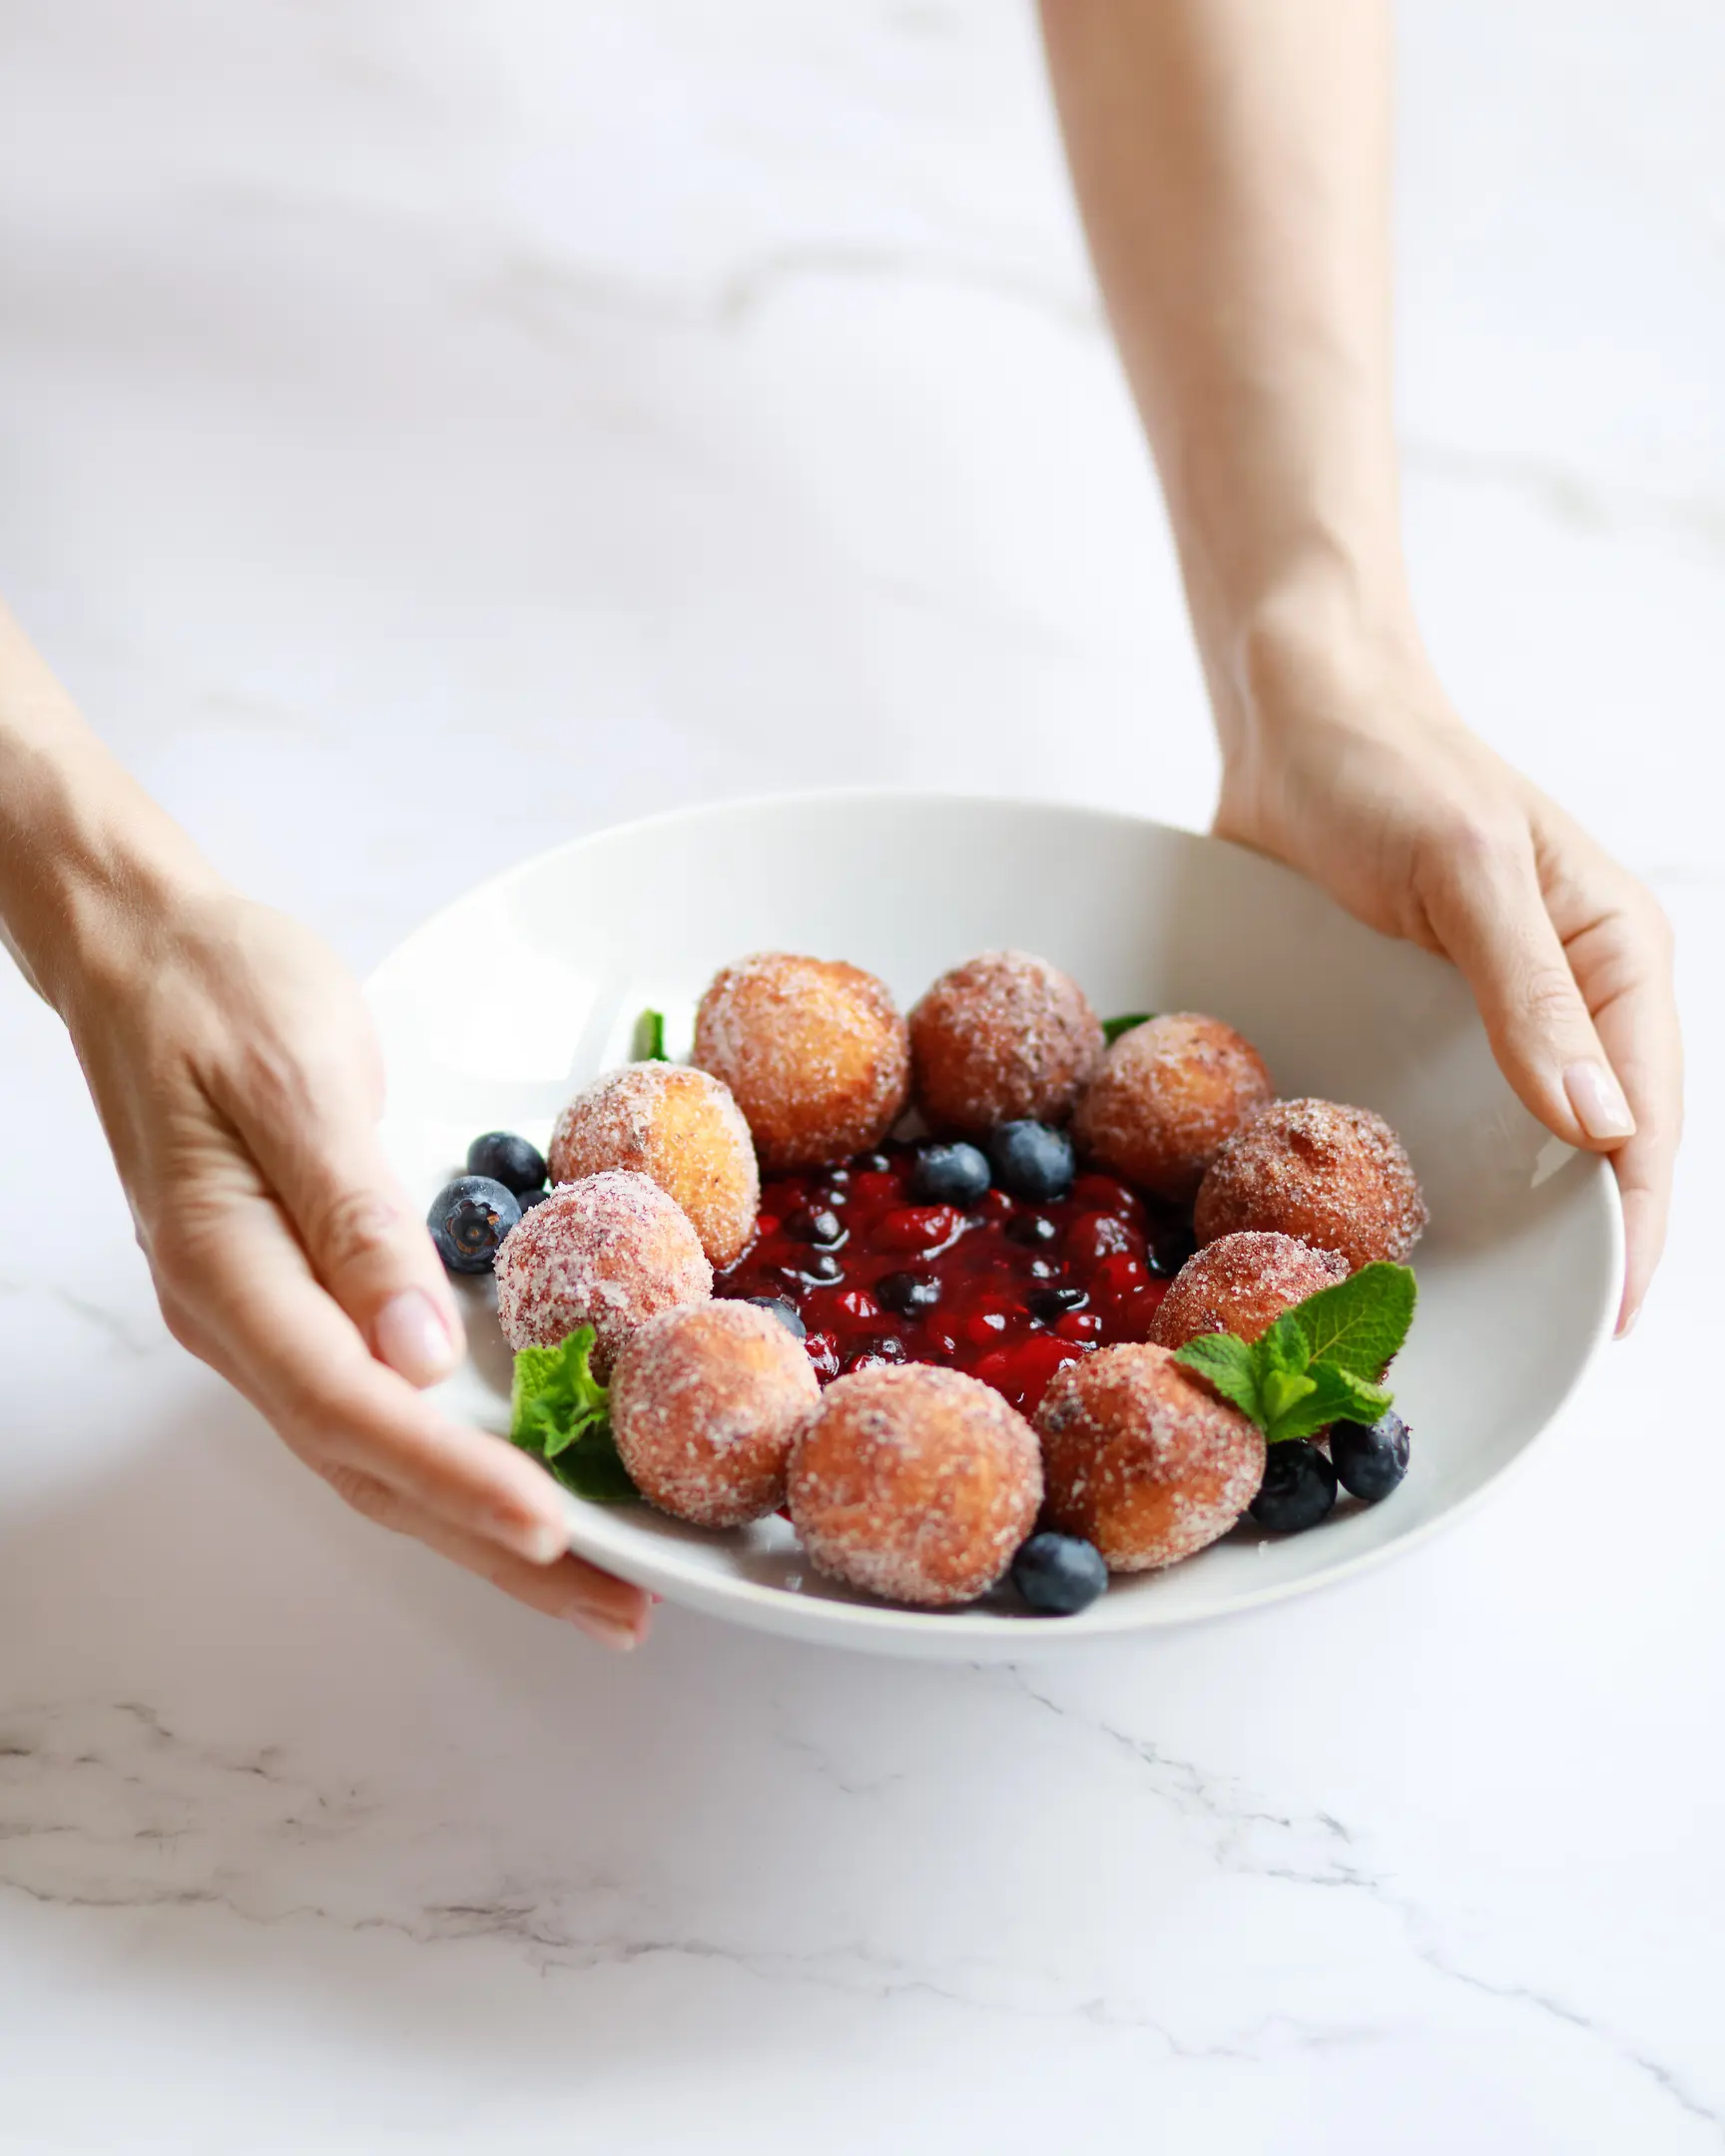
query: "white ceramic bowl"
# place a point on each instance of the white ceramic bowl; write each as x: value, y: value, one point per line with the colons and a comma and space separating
x: 495, y: 1012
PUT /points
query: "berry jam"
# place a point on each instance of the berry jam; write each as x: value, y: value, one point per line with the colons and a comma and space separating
x: 1008, y: 1290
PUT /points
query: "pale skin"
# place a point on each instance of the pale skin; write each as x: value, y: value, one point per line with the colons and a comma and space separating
x: 1231, y: 162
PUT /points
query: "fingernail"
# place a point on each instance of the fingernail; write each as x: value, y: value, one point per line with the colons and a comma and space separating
x: 1598, y: 1102
x: 414, y: 1337
x: 608, y: 1631
x: 539, y: 1540
x: 1626, y: 1323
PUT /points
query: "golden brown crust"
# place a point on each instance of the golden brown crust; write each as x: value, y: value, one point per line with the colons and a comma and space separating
x: 1333, y: 1176
x: 681, y: 1128
x: 1242, y: 1284
x: 1143, y: 1459
x: 610, y: 1252
x: 1003, y: 1037
x: 814, y: 1050
x: 1169, y: 1094
x: 705, y: 1404
x: 915, y: 1483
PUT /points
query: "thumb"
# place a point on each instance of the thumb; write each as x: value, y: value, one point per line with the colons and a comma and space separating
x: 365, y: 1242
x: 1488, y: 915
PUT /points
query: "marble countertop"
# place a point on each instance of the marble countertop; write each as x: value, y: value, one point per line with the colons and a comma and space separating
x: 431, y: 432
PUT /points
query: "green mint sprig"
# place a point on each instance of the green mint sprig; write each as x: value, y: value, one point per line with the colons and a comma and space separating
x: 561, y: 1413
x: 1321, y: 1361
x: 1112, y: 1028
x: 649, y: 1042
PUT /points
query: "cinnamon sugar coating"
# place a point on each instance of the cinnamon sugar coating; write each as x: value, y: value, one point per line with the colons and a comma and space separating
x: 1335, y: 1177
x: 678, y: 1126
x: 915, y: 1483
x: 815, y: 1052
x: 1003, y: 1037
x: 705, y: 1404
x: 1143, y: 1459
x: 1242, y: 1284
x: 1168, y: 1095
x: 609, y: 1251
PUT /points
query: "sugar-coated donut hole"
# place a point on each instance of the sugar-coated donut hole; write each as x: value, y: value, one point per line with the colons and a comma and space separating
x: 705, y: 1404
x: 1168, y: 1095
x: 1332, y: 1176
x: 1242, y: 1284
x: 682, y: 1128
x: 1142, y: 1459
x: 611, y: 1252
x: 915, y: 1483
x: 1003, y: 1038
x: 814, y: 1050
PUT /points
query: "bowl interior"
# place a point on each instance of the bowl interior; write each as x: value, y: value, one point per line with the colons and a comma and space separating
x: 498, y: 1008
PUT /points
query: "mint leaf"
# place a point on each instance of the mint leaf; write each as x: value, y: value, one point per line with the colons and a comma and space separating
x: 1283, y: 1349
x: 1360, y: 1322
x: 560, y: 1413
x: 1333, y: 1395
x: 649, y: 1042
x: 1112, y: 1028
x: 1227, y: 1365
x: 592, y: 1468
x: 1282, y: 1394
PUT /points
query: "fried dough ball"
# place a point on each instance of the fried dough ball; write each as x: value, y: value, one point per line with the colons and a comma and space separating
x: 1003, y: 1038
x: 609, y: 1251
x: 916, y: 1483
x: 680, y: 1127
x: 1143, y: 1459
x: 1335, y: 1177
x: 704, y: 1402
x: 1242, y: 1284
x: 815, y: 1052
x: 1168, y: 1094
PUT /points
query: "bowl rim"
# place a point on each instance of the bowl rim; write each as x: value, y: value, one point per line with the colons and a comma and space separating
x: 768, y: 1608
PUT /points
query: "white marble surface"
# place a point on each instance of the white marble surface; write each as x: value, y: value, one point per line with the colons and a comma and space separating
x: 405, y: 407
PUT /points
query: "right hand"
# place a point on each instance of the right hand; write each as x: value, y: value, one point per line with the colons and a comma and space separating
x: 233, y: 1066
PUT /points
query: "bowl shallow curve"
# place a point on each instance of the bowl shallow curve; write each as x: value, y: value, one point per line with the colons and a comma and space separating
x: 1520, y: 1273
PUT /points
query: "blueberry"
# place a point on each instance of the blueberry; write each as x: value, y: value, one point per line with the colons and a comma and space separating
x: 1050, y: 1304
x: 469, y: 1218
x: 819, y: 1270
x: 1371, y: 1460
x: 1298, y: 1490
x: 508, y: 1160
x: 872, y: 1163
x: 1032, y: 1230
x: 1033, y: 1161
x: 530, y: 1198
x: 786, y: 1312
x: 1059, y: 1575
x: 910, y: 1293
x: 817, y: 1224
x: 950, y: 1174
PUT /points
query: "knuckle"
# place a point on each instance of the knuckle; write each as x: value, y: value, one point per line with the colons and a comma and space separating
x: 183, y: 1326
x: 1549, y: 996
x: 370, y: 1498
x: 1653, y: 924
x: 349, y: 1229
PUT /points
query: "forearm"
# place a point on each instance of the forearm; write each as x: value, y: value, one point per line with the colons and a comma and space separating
x: 1231, y: 160
x: 84, y: 851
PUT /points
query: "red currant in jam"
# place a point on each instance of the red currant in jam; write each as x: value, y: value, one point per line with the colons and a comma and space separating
x: 1008, y: 1292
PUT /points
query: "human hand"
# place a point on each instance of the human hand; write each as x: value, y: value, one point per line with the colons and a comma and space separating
x: 1363, y: 778
x: 232, y: 1062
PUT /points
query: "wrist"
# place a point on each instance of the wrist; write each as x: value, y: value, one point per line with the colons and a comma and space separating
x: 90, y: 869
x: 1325, y: 648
